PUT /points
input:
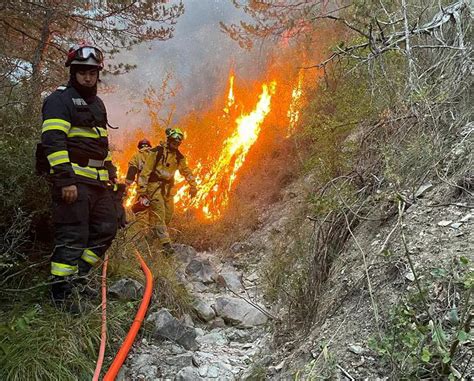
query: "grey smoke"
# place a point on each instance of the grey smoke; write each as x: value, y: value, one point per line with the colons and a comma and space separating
x: 199, y: 56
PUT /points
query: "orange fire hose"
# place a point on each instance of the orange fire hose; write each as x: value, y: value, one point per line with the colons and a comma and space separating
x: 132, y: 333
x: 103, y: 333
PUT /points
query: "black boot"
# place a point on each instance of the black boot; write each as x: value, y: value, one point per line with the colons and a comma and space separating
x: 64, y: 296
x: 84, y: 267
x: 61, y: 289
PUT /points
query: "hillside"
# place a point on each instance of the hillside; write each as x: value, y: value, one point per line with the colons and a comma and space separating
x: 370, y: 321
x: 323, y: 229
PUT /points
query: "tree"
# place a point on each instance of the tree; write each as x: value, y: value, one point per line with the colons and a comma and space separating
x: 39, y: 32
x: 36, y: 37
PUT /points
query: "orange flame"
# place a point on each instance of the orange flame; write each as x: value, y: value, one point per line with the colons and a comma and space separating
x: 215, y: 186
x: 131, y: 195
x: 216, y: 182
x: 230, y: 97
x: 293, y: 111
x: 131, y: 190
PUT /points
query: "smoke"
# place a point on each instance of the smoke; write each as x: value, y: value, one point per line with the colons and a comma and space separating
x: 199, y: 57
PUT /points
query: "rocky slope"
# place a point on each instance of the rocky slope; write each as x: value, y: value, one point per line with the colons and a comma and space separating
x: 233, y: 337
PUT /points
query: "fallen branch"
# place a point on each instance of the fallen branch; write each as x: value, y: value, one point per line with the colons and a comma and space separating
x: 255, y: 305
x: 345, y: 372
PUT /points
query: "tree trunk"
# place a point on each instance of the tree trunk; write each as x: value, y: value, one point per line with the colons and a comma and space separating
x: 36, y: 80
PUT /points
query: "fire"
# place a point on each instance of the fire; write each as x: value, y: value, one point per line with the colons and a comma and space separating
x: 216, y: 178
x: 293, y: 112
x: 131, y: 194
x: 230, y: 97
x: 131, y: 190
x: 215, y: 186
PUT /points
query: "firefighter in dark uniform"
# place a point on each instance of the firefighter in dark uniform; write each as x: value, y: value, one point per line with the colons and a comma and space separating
x: 75, y: 142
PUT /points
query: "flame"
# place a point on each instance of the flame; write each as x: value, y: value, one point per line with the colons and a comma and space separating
x: 215, y: 186
x: 230, y: 96
x: 131, y: 195
x: 293, y: 111
x: 131, y: 190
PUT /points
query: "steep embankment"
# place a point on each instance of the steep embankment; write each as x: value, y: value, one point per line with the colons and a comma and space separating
x: 372, y: 320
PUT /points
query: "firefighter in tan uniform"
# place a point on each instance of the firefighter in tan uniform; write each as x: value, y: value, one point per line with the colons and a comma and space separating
x: 135, y: 166
x: 136, y: 163
x: 156, y: 182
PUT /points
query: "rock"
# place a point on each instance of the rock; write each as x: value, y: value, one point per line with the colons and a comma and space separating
x: 198, y: 286
x: 184, y: 253
x: 188, y: 374
x: 423, y: 189
x: 280, y: 366
x: 213, y: 372
x: 231, y: 279
x: 253, y: 277
x: 238, y: 312
x: 218, y: 322
x: 410, y: 276
x: 467, y: 217
x: 201, y: 270
x: 203, y: 371
x: 203, y: 310
x: 239, y: 335
x: 213, y: 338
x: 357, y: 349
x: 240, y: 247
x: 187, y: 320
x: 176, y: 349
x: 445, y: 223
x: 180, y: 361
x: 168, y: 327
x: 121, y: 374
x: 126, y: 289
x: 145, y: 365
x: 456, y: 225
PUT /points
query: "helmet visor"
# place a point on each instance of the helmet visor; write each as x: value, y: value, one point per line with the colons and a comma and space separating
x: 85, y: 52
x: 176, y: 136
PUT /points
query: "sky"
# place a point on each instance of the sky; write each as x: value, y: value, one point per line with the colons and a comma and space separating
x: 199, y: 57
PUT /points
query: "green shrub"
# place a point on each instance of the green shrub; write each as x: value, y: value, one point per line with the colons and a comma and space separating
x: 425, y: 343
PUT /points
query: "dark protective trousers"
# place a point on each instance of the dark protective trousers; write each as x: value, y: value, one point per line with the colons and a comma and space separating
x: 84, y: 229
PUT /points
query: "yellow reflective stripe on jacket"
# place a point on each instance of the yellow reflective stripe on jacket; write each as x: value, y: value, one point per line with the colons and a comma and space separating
x: 83, y: 132
x: 61, y: 269
x: 56, y: 124
x: 58, y: 157
x: 102, y: 131
x: 103, y: 175
x: 86, y: 132
x: 109, y: 156
x: 89, y: 172
x: 90, y: 257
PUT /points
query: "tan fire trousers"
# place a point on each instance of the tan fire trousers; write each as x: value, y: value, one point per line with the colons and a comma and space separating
x: 156, y: 218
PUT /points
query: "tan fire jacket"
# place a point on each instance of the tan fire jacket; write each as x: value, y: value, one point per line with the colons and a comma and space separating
x: 163, y: 175
x: 136, y: 164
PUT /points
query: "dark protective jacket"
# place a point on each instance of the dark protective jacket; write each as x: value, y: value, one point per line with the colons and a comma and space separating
x: 75, y: 139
